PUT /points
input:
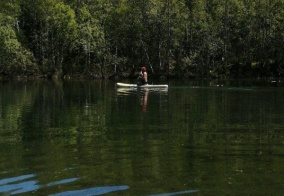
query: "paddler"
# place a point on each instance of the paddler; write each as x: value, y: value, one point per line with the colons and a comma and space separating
x: 143, y: 78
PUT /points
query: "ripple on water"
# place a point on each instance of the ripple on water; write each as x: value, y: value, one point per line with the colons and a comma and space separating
x: 93, y: 191
x: 26, y: 183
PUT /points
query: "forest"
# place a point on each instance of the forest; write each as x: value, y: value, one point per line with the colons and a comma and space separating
x: 172, y: 38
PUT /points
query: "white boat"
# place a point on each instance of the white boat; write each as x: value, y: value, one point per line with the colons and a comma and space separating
x: 125, y: 85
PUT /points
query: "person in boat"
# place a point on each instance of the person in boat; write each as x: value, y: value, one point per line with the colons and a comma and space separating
x: 143, y: 78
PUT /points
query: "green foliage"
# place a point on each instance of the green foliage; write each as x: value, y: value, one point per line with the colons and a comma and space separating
x: 186, y: 38
x: 14, y: 58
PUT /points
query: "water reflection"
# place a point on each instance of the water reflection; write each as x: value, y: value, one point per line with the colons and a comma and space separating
x: 18, y: 188
x: 142, y: 93
x: 214, y: 138
x: 17, y: 185
x: 126, y: 91
x: 176, y: 193
x: 15, y: 179
x: 144, y: 99
x: 93, y: 191
x: 62, y: 181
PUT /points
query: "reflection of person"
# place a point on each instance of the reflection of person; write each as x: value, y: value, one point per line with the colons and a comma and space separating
x: 143, y: 78
x: 144, y: 100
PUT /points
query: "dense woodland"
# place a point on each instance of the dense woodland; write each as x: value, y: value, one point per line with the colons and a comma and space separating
x: 173, y: 38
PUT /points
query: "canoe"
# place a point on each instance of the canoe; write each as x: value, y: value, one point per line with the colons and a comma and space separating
x: 125, y: 85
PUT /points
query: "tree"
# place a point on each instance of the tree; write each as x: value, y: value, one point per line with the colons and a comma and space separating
x: 189, y: 38
x: 14, y: 58
x: 51, y: 29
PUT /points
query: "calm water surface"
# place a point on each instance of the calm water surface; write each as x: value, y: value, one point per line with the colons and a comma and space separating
x: 90, y: 138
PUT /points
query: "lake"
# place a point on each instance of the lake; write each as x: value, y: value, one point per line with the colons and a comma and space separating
x: 220, y: 137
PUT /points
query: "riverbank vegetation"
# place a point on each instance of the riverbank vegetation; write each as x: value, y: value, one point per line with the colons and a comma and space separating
x: 173, y: 38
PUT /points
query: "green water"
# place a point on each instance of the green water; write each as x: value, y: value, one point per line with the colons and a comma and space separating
x: 89, y: 138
